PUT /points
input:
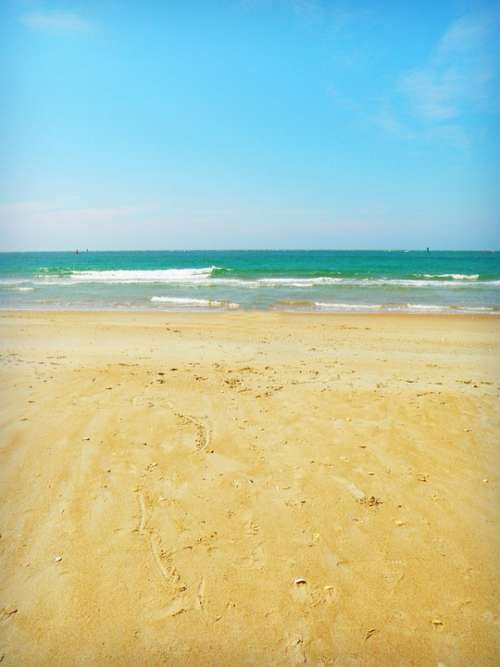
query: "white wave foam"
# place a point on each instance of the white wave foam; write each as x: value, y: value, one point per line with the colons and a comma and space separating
x: 323, y: 305
x: 8, y: 282
x: 403, y: 307
x: 299, y: 282
x: 203, y: 277
x: 197, y: 303
x: 130, y: 276
x: 16, y: 285
x: 426, y: 307
x: 437, y: 284
x: 455, y: 280
x: 349, y: 282
x: 479, y: 309
x: 454, y: 276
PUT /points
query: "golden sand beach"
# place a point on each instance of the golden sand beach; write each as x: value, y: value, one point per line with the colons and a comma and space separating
x: 254, y: 489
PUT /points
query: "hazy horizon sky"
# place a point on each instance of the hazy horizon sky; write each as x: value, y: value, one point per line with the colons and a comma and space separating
x: 249, y: 124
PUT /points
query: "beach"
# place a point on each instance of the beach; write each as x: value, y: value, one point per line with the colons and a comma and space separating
x: 249, y: 488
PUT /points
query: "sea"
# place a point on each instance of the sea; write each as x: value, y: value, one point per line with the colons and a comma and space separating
x: 221, y: 280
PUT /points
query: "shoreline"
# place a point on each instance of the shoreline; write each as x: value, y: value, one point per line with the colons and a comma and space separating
x: 238, y: 312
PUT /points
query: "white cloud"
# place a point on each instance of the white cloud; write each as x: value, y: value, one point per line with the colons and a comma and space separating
x: 448, y: 133
x: 388, y: 121
x: 461, y: 74
x: 468, y: 32
x: 434, y: 95
x: 442, y: 100
x: 56, y: 22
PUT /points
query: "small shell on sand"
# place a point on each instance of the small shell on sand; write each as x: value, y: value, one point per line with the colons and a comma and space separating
x: 299, y: 581
x: 58, y: 559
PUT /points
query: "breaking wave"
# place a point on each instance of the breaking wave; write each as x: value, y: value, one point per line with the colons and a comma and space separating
x: 131, y: 276
x: 213, y: 276
x: 454, y: 276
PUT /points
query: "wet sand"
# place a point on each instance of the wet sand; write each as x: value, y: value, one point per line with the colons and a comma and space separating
x: 249, y: 489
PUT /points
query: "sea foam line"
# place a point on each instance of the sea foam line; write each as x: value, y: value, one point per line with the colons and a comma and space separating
x: 203, y: 278
x: 454, y: 276
x: 324, y: 305
x: 198, y: 303
x: 140, y: 276
x: 404, y: 307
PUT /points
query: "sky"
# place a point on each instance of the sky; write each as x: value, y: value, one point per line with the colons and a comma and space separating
x: 249, y: 124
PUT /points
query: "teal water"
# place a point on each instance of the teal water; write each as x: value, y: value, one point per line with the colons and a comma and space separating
x: 311, y: 280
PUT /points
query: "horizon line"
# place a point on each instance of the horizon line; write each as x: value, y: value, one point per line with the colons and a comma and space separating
x: 88, y: 250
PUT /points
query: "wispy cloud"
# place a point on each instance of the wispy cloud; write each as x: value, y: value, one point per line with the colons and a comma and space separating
x: 467, y: 33
x: 461, y: 75
x: 336, y: 15
x: 434, y: 95
x: 444, y: 99
x: 311, y: 9
x: 393, y: 124
x: 388, y: 121
x: 41, y: 212
x: 56, y: 22
x: 332, y: 13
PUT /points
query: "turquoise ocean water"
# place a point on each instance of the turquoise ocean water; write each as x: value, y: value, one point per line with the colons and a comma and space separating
x: 317, y: 280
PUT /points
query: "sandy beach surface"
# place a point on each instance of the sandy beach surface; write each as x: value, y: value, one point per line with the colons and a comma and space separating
x: 256, y: 489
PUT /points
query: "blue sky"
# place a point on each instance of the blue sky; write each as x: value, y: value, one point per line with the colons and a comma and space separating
x: 249, y: 124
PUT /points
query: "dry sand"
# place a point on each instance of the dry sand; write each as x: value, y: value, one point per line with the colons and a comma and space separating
x: 249, y: 489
